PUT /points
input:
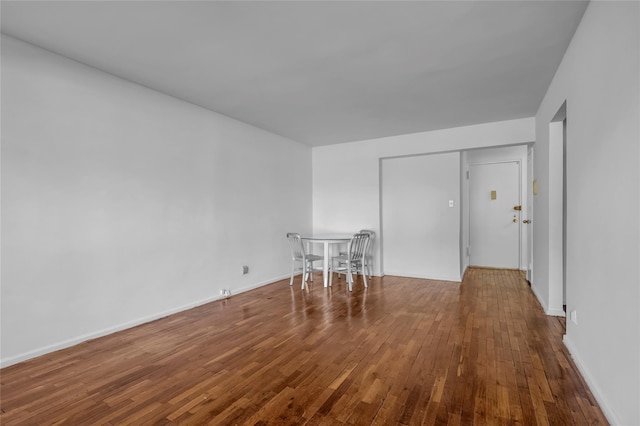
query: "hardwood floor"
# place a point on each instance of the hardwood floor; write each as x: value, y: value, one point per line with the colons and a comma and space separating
x: 404, y: 351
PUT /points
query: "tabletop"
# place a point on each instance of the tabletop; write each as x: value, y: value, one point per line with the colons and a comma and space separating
x: 327, y: 237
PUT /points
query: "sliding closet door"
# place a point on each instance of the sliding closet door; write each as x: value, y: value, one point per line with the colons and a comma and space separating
x: 421, y: 216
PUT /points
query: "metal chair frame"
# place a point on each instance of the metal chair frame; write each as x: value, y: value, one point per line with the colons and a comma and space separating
x: 353, y: 260
x: 299, y: 254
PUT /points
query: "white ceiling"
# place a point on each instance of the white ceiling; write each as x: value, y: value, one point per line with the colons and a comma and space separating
x: 320, y: 72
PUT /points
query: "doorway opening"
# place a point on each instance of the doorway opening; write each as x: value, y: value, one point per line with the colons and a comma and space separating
x: 558, y: 212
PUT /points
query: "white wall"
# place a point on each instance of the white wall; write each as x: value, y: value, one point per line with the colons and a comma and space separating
x: 420, y: 231
x: 599, y: 79
x: 121, y: 204
x: 346, y: 177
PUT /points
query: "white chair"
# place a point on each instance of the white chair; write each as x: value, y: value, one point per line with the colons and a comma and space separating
x: 368, y: 257
x: 298, y: 254
x: 352, y: 260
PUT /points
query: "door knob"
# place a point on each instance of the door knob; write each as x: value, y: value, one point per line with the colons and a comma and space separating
x: 526, y: 221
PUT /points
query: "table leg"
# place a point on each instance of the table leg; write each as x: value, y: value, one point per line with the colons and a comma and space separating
x: 325, y: 264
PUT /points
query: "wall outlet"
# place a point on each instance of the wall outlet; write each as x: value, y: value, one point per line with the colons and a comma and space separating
x: 245, y: 269
x: 573, y: 316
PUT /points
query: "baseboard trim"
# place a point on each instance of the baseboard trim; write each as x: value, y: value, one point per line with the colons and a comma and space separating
x: 541, y: 301
x: 598, y: 395
x: 424, y: 277
x: 556, y: 312
x: 6, y: 362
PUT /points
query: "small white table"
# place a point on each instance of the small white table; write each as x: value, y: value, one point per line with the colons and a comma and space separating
x: 326, y: 240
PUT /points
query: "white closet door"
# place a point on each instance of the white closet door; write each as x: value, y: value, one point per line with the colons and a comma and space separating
x: 421, y: 216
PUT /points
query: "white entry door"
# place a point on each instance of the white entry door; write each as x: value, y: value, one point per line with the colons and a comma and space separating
x: 494, y: 218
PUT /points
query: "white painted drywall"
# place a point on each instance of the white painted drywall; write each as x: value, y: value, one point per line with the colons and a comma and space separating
x: 599, y: 78
x: 346, y: 177
x: 121, y: 204
x: 420, y: 232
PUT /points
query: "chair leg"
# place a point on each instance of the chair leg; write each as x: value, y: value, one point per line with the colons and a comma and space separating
x: 293, y: 270
x: 349, y: 276
x: 364, y: 276
x: 330, y: 273
x: 304, y: 274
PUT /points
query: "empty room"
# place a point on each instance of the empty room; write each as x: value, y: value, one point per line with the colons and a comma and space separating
x: 320, y: 212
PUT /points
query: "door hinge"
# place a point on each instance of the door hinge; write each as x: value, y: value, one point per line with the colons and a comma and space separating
x: 468, y: 251
x: 467, y: 174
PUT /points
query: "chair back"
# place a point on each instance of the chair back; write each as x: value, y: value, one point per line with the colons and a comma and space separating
x: 372, y: 237
x: 358, y: 246
x: 297, y: 247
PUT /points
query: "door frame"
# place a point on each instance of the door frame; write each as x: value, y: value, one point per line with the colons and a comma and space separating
x: 493, y: 154
x: 530, y: 200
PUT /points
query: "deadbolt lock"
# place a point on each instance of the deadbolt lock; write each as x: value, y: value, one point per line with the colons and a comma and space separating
x: 518, y: 208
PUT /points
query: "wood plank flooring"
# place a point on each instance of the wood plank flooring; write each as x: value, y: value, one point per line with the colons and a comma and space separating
x: 404, y: 351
